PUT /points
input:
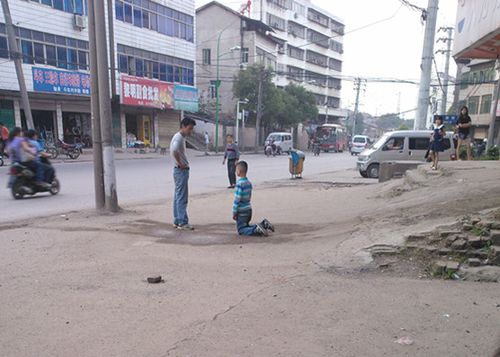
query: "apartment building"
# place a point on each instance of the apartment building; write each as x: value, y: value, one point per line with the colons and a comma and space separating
x: 154, y: 54
x: 233, y: 41
x: 477, y: 85
x: 311, y: 49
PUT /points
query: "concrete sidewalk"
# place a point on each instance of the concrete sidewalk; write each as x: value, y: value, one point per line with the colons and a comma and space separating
x: 305, y: 291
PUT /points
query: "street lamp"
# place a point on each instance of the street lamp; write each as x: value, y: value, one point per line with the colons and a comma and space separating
x: 217, y: 86
x: 244, y: 101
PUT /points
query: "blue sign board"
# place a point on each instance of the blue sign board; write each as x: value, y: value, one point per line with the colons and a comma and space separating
x: 448, y: 119
x: 186, y: 98
x: 63, y: 82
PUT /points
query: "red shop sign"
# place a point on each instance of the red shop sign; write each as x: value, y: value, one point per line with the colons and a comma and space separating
x: 138, y: 91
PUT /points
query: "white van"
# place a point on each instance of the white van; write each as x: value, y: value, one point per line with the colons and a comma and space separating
x: 408, y: 145
x: 359, y: 144
x: 282, y: 140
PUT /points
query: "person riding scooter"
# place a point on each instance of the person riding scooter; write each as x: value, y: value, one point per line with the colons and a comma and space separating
x: 41, y: 157
x: 21, y: 151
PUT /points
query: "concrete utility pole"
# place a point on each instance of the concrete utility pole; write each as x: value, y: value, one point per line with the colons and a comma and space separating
x: 102, y: 68
x: 493, y: 111
x: 426, y: 65
x: 96, y: 122
x: 259, y: 111
x: 358, y: 83
x: 17, y: 56
x: 448, y: 40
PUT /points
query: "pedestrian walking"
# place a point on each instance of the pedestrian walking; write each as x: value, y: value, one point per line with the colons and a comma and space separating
x: 242, y: 207
x: 207, y: 142
x: 464, y: 123
x: 437, y: 141
x: 181, y: 174
x: 4, y: 138
x: 231, y: 155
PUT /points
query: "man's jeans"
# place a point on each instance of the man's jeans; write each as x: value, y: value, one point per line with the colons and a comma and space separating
x: 243, y: 224
x: 231, y: 171
x: 181, y: 177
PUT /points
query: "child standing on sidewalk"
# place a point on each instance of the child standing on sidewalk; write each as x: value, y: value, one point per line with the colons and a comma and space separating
x: 437, y: 141
x: 232, y: 155
x: 242, y: 208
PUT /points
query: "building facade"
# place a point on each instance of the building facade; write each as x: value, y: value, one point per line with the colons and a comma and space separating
x: 154, y: 56
x: 311, y: 50
x: 477, y: 85
x: 241, y: 41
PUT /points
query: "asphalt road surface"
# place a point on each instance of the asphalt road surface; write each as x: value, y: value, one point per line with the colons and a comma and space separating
x: 146, y: 180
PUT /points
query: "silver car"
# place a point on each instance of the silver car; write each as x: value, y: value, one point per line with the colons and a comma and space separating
x: 408, y: 145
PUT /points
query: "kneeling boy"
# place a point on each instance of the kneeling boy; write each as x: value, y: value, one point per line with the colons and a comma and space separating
x: 242, y: 208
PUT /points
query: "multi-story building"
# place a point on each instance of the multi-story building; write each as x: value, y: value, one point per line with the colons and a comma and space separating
x: 311, y: 50
x: 154, y: 52
x: 240, y: 41
x: 477, y: 85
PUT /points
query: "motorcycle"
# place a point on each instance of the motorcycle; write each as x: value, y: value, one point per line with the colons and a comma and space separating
x: 316, y: 149
x: 272, y: 149
x: 22, y: 182
x: 72, y: 151
x: 1, y: 160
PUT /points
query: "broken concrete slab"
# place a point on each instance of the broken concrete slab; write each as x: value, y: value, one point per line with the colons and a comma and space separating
x: 474, y: 262
x: 488, y: 273
x: 495, y: 237
x: 459, y: 244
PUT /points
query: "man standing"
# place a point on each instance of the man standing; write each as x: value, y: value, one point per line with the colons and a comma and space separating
x: 4, y: 137
x: 207, y: 142
x: 181, y: 174
x: 232, y: 155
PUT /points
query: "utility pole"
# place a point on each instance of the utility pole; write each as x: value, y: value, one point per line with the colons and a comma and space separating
x: 358, y: 82
x: 17, y: 56
x: 448, y: 40
x: 259, y: 110
x: 96, y: 122
x: 102, y: 69
x: 493, y: 110
x: 426, y: 64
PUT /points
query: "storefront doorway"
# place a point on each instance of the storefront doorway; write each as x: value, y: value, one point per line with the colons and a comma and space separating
x: 77, y: 128
x: 139, y: 130
x: 44, y: 122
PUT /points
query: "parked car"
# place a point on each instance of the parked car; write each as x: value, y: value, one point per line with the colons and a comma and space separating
x: 408, y: 145
x: 282, y: 140
x: 359, y: 143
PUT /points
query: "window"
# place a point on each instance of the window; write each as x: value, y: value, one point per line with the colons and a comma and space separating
x: 244, y: 55
x: 68, y: 6
x: 336, y: 46
x: 334, y: 83
x: 212, y: 90
x: 337, y: 27
x: 51, y: 55
x: 27, y: 50
x: 72, y: 59
x: 473, y: 104
x: 143, y: 63
x: 318, y: 38
x: 296, y: 30
x: 39, y: 53
x: 284, y: 4
x: 82, y: 60
x: 71, y: 6
x: 62, y: 57
x: 295, y: 73
x: 295, y: 52
x: 318, y: 17
x: 394, y: 144
x: 119, y: 10
x: 4, y: 49
x: 419, y: 143
x: 276, y: 22
x: 485, y: 104
x: 79, y: 7
x: 207, y: 56
x: 58, y: 4
x: 335, y: 64
x: 153, y: 16
x: 333, y: 102
x: 316, y: 58
x: 47, y: 2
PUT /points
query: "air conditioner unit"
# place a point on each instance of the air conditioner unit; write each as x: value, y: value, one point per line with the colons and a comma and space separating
x: 79, y: 22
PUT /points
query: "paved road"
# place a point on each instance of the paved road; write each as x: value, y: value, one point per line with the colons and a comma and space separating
x: 145, y: 180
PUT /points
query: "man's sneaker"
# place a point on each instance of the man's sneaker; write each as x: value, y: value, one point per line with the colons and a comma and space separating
x: 186, y: 227
x: 261, y: 230
x: 175, y: 225
x: 267, y: 225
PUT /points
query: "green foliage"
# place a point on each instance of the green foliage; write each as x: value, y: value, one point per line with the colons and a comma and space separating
x: 281, y: 107
x: 403, y: 127
x: 393, y: 121
x: 493, y: 153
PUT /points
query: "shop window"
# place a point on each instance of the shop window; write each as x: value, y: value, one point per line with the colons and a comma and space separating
x: 4, y: 49
x: 27, y: 50
x: 119, y: 10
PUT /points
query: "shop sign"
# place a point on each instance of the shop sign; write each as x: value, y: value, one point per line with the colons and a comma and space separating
x: 186, y: 98
x: 144, y: 92
x: 64, y: 82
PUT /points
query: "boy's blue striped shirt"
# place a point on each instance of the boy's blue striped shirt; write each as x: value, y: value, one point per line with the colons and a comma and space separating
x: 242, y: 196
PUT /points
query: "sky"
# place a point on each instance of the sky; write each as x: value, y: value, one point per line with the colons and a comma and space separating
x: 392, y: 48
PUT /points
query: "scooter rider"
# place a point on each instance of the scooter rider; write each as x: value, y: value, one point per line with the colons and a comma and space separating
x: 41, y: 156
x: 20, y: 150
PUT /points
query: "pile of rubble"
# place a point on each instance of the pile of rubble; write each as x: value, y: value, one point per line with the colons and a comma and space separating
x: 467, y: 250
